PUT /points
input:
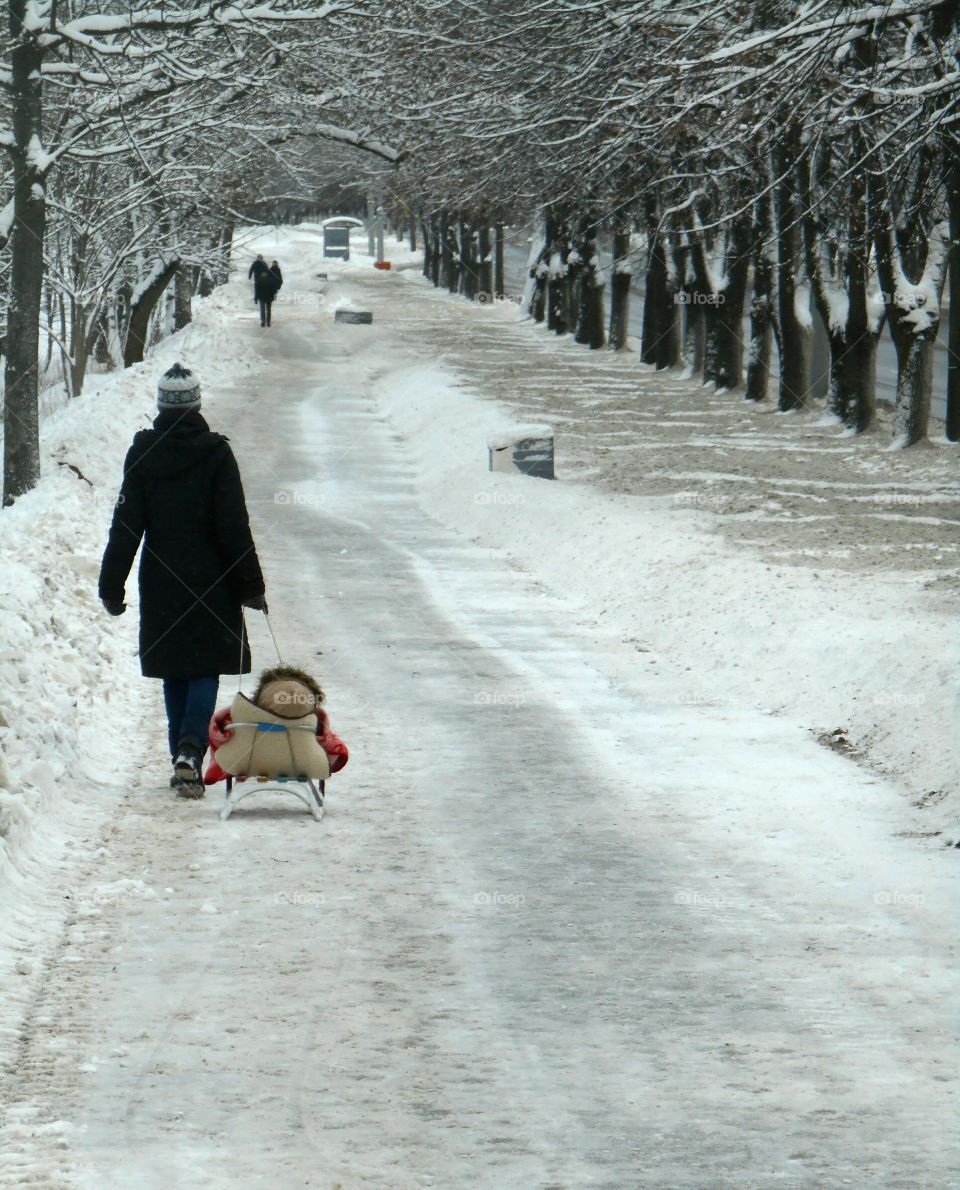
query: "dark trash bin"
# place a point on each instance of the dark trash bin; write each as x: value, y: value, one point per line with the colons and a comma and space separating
x: 527, y: 449
x: 355, y: 316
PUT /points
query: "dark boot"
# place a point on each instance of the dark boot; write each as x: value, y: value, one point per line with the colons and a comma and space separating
x: 186, y: 768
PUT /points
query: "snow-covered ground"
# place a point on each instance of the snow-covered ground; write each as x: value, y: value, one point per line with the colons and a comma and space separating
x: 591, y: 905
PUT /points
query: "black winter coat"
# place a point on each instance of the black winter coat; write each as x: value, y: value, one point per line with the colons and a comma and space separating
x: 257, y: 269
x: 182, y: 494
x: 267, y: 284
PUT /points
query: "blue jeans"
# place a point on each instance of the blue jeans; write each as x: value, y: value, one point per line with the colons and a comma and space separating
x: 190, y: 703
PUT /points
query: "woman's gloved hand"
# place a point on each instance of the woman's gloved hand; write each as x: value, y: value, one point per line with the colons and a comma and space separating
x: 116, y: 607
x: 257, y: 603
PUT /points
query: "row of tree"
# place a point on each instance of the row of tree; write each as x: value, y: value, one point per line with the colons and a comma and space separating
x: 753, y: 158
x: 137, y: 137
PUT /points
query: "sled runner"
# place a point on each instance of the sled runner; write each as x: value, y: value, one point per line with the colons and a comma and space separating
x: 268, y: 752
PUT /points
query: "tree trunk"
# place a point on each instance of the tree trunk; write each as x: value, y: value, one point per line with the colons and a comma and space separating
x: 444, y: 253
x: 573, y: 281
x: 540, y: 270
x: 226, y: 252
x: 427, y: 249
x: 21, y: 420
x: 468, y: 254
x: 79, y: 349
x: 761, y: 306
x: 658, y: 339
x: 620, y: 282
x: 905, y: 252
x: 703, y: 297
x: 436, y: 237
x: 121, y: 317
x: 694, y: 338
x: 727, y: 369
x: 953, y: 345
x: 50, y: 302
x: 914, y: 382
x: 452, y: 264
x: 758, y: 352
x: 590, y: 310
x: 839, y: 272
x: 557, y: 279
x: 858, y: 370
x: 413, y: 232
x: 182, y: 310
x: 498, y: 282
x: 139, y: 325
x: 101, y: 344
x: 794, y: 333
x: 853, y: 370
x: 853, y: 359
x: 485, y: 264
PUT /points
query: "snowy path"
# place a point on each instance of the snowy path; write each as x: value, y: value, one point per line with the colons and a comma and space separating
x: 512, y: 955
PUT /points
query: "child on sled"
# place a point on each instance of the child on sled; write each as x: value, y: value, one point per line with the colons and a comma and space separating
x: 289, y: 693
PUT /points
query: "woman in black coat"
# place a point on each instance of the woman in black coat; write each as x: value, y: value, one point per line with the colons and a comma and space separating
x: 258, y: 268
x: 182, y: 495
x: 265, y: 289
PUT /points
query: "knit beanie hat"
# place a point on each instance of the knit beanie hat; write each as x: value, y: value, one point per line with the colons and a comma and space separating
x: 178, y: 389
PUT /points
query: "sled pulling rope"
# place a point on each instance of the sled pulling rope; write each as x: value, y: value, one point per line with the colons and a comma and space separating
x: 273, y: 638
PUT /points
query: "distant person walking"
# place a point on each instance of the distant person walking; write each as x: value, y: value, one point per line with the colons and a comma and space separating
x: 256, y: 271
x: 265, y: 289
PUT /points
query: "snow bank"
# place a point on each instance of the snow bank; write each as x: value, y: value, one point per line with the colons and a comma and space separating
x: 71, y: 694
x: 743, y: 629
x: 508, y: 435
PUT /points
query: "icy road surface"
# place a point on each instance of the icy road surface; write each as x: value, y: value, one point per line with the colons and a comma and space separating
x: 514, y: 953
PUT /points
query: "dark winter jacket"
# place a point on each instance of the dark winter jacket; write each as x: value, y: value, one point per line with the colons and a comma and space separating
x: 257, y: 268
x: 182, y: 494
x: 266, y: 285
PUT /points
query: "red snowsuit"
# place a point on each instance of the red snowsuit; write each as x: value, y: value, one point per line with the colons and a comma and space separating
x: 334, y: 747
